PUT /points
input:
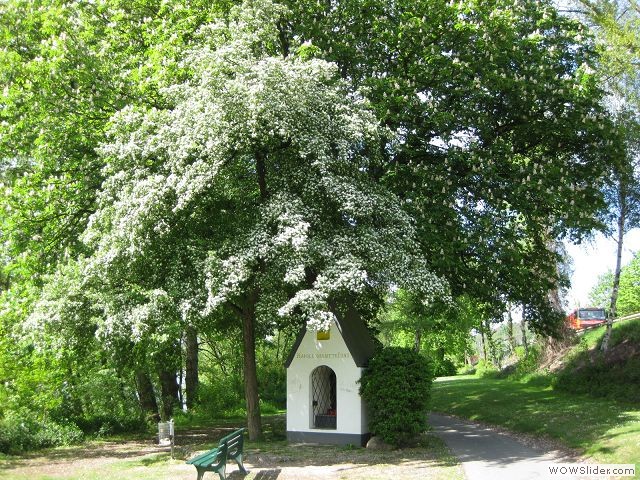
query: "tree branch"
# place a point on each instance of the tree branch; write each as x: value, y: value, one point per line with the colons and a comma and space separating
x: 261, y: 170
x: 235, y: 307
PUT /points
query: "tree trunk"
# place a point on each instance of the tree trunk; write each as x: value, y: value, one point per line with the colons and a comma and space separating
x: 512, y: 340
x: 146, y: 395
x: 484, y: 344
x: 169, y: 392
x: 492, y: 345
x: 440, y: 352
x: 261, y: 170
x: 417, y: 340
x: 254, y: 422
x: 616, y: 275
x: 191, y: 374
x: 554, y: 300
x: 248, y: 316
x: 180, y: 382
x: 525, y: 343
x: 283, y: 36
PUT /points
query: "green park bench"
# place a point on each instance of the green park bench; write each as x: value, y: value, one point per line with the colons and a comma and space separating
x: 229, y: 447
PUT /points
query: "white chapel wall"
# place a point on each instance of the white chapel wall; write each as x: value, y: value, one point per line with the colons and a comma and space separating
x: 333, y: 353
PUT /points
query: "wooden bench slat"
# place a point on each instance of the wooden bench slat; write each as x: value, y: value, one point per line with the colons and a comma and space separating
x: 207, y: 462
x: 205, y: 456
x: 229, y: 447
x: 235, y: 436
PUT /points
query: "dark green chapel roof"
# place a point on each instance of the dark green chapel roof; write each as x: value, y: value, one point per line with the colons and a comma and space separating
x: 354, y: 332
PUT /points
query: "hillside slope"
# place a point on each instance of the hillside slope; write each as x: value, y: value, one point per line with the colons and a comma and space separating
x: 614, y: 374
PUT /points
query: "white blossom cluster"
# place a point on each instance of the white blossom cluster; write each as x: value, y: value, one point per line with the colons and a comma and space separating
x: 317, y: 227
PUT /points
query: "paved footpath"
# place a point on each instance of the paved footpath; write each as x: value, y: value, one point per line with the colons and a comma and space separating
x: 489, y: 455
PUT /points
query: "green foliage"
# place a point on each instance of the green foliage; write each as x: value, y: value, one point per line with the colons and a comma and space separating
x: 486, y: 135
x: 67, y: 68
x: 167, y: 164
x: 272, y: 382
x: 617, y: 24
x: 627, y: 331
x: 590, y: 339
x: 443, y: 367
x: 105, y: 425
x: 221, y: 384
x: 396, y: 388
x: 600, y: 378
x: 628, y: 291
x: 20, y: 431
x: 466, y: 370
x: 441, y: 327
x: 527, y: 362
x: 542, y: 379
x: 486, y: 369
x: 221, y: 397
x: 57, y: 381
x: 220, y: 404
x: 600, y: 294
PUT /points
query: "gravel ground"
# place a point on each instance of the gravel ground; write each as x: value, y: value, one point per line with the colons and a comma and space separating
x: 137, y: 460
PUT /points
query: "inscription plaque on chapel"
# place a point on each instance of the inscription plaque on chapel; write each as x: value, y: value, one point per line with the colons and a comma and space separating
x: 323, y: 355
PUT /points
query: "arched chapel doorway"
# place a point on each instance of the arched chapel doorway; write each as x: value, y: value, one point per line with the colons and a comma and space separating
x: 323, y: 398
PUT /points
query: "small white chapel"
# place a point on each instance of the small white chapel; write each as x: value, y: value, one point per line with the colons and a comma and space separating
x: 323, y: 369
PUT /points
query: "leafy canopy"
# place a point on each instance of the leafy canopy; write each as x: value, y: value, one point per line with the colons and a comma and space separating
x: 261, y: 172
x: 502, y: 140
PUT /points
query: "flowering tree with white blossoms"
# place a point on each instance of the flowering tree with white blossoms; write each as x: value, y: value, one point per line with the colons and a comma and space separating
x: 253, y: 194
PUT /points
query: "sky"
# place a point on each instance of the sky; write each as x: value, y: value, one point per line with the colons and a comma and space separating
x: 593, y: 259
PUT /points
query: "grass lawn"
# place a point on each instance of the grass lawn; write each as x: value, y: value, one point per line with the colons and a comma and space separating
x: 603, y: 429
x: 625, y: 330
x: 273, y: 459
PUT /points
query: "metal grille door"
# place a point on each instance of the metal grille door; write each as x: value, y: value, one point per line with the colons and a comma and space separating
x: 323, y: 392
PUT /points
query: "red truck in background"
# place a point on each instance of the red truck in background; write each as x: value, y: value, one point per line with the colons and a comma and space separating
x: 586, y: 317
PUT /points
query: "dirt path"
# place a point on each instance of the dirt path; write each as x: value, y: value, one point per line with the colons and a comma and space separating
x: 273, y: 460
x: 487, y: 454
x: 78, y: 462
x: 136, y: 461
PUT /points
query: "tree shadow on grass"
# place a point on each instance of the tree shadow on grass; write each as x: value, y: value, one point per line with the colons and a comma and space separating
x: 153, y: 460
x: 433, y: 452
x: 201, y: 435
x: 268, y: 457
x: 272, y: 474
x: 116, y: 450
x: 187, y: 441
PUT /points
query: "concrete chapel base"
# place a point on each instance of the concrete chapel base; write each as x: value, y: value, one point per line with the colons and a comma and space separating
x: 324, y: 438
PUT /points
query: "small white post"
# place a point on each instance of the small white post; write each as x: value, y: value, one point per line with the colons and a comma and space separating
x: 171, y: 436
